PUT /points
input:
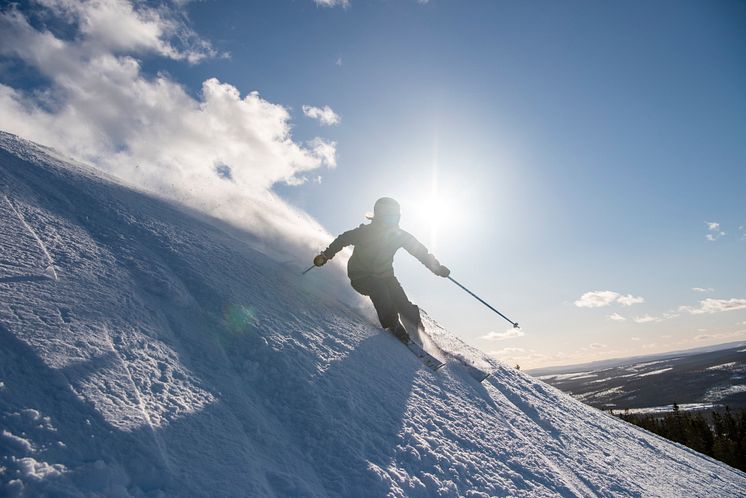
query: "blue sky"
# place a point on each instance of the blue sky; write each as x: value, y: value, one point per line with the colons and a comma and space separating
x: 543, y: 150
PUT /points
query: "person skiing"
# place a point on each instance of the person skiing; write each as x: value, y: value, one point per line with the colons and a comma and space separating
x: 370, y: 267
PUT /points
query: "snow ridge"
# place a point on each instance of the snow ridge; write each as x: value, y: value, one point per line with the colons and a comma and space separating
x: 171, y: 358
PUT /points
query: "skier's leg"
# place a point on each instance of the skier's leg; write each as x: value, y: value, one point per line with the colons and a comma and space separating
x: 409, y: 313
x: 378, y: 291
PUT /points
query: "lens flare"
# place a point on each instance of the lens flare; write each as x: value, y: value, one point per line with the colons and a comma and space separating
x: 239, y: 317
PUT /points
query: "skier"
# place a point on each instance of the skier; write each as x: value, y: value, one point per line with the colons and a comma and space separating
x: 371, y: 269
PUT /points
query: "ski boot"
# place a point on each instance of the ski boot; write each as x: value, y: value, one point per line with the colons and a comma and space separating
x: 400, y: 333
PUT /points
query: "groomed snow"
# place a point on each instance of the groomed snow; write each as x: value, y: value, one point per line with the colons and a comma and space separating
x: 146, y: 351
x: 719, y: 393
x: 669, y: 408
x: 656, y: 372
x: 723, y: 366
x: 569, y: 376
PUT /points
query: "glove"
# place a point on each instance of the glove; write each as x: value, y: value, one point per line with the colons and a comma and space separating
x: 443, y: 271
x: 320, y: 260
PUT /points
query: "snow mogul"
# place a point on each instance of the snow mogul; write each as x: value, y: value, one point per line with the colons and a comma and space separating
x: 371, y: 270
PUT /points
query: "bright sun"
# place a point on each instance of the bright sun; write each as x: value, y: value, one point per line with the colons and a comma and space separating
x: 434, y: 209
x: 432, y: 213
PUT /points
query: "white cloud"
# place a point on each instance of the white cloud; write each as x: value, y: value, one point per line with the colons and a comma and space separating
x: 617, y: 317
x: 123, y: 27
x: 645, y: 319
x: 714, y: 229
x: 324, y: 151
x: 598, y: 299
x: 510, y: 333
x: 629, y: 300
x: 346, y: 3
x: 597, y: 345
x: 332, y: 3
x: 703, y: 289
x: 710, y: 305
x: 634, y: 338
x: 100, y: 108
x: 325, y: 115
x: 649, y: 318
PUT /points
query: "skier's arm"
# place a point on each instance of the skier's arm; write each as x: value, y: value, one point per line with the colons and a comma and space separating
x: 419, y: 251
x: 344, y: 240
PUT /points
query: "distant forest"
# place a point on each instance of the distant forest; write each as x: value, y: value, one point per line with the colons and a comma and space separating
x: 719, y: 434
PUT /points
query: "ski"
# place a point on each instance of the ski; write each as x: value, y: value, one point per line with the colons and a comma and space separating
x: 435, y: 364
x: 429, y: 360
x: 453, y: 350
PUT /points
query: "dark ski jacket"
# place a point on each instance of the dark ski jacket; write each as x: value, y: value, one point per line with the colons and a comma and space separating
x: 375, y: 246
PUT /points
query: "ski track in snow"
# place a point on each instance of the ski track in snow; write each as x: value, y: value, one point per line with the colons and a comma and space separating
x: 43, y: 248
x: 170, y: 359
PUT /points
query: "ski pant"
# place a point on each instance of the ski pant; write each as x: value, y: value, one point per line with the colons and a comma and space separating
x: 390, y: 301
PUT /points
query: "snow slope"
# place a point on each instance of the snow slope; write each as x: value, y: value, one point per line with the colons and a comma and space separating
x: 146, y: 351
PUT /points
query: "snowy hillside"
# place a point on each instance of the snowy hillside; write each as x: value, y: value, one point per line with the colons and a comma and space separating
x: 148, y: 352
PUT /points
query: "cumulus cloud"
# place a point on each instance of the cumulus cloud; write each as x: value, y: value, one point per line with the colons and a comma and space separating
x: 703, y: 289
x: 629, y: 300
x: 123, y: 27
x: 325, y: 115
x: 714, y: 231
x: 220, y: 152
x: 710, y: 305
x: 510, y: 333
x: 617, y: 317
x: 598, y: 299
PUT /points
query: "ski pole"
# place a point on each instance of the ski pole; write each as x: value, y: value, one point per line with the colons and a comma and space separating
x: 514, y: 324
x: 308, y: 269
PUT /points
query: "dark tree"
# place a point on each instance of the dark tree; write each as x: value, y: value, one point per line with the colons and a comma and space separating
x: 721, y: 435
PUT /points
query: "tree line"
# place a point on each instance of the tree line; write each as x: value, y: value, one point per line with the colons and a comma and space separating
x: 719, y: 434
